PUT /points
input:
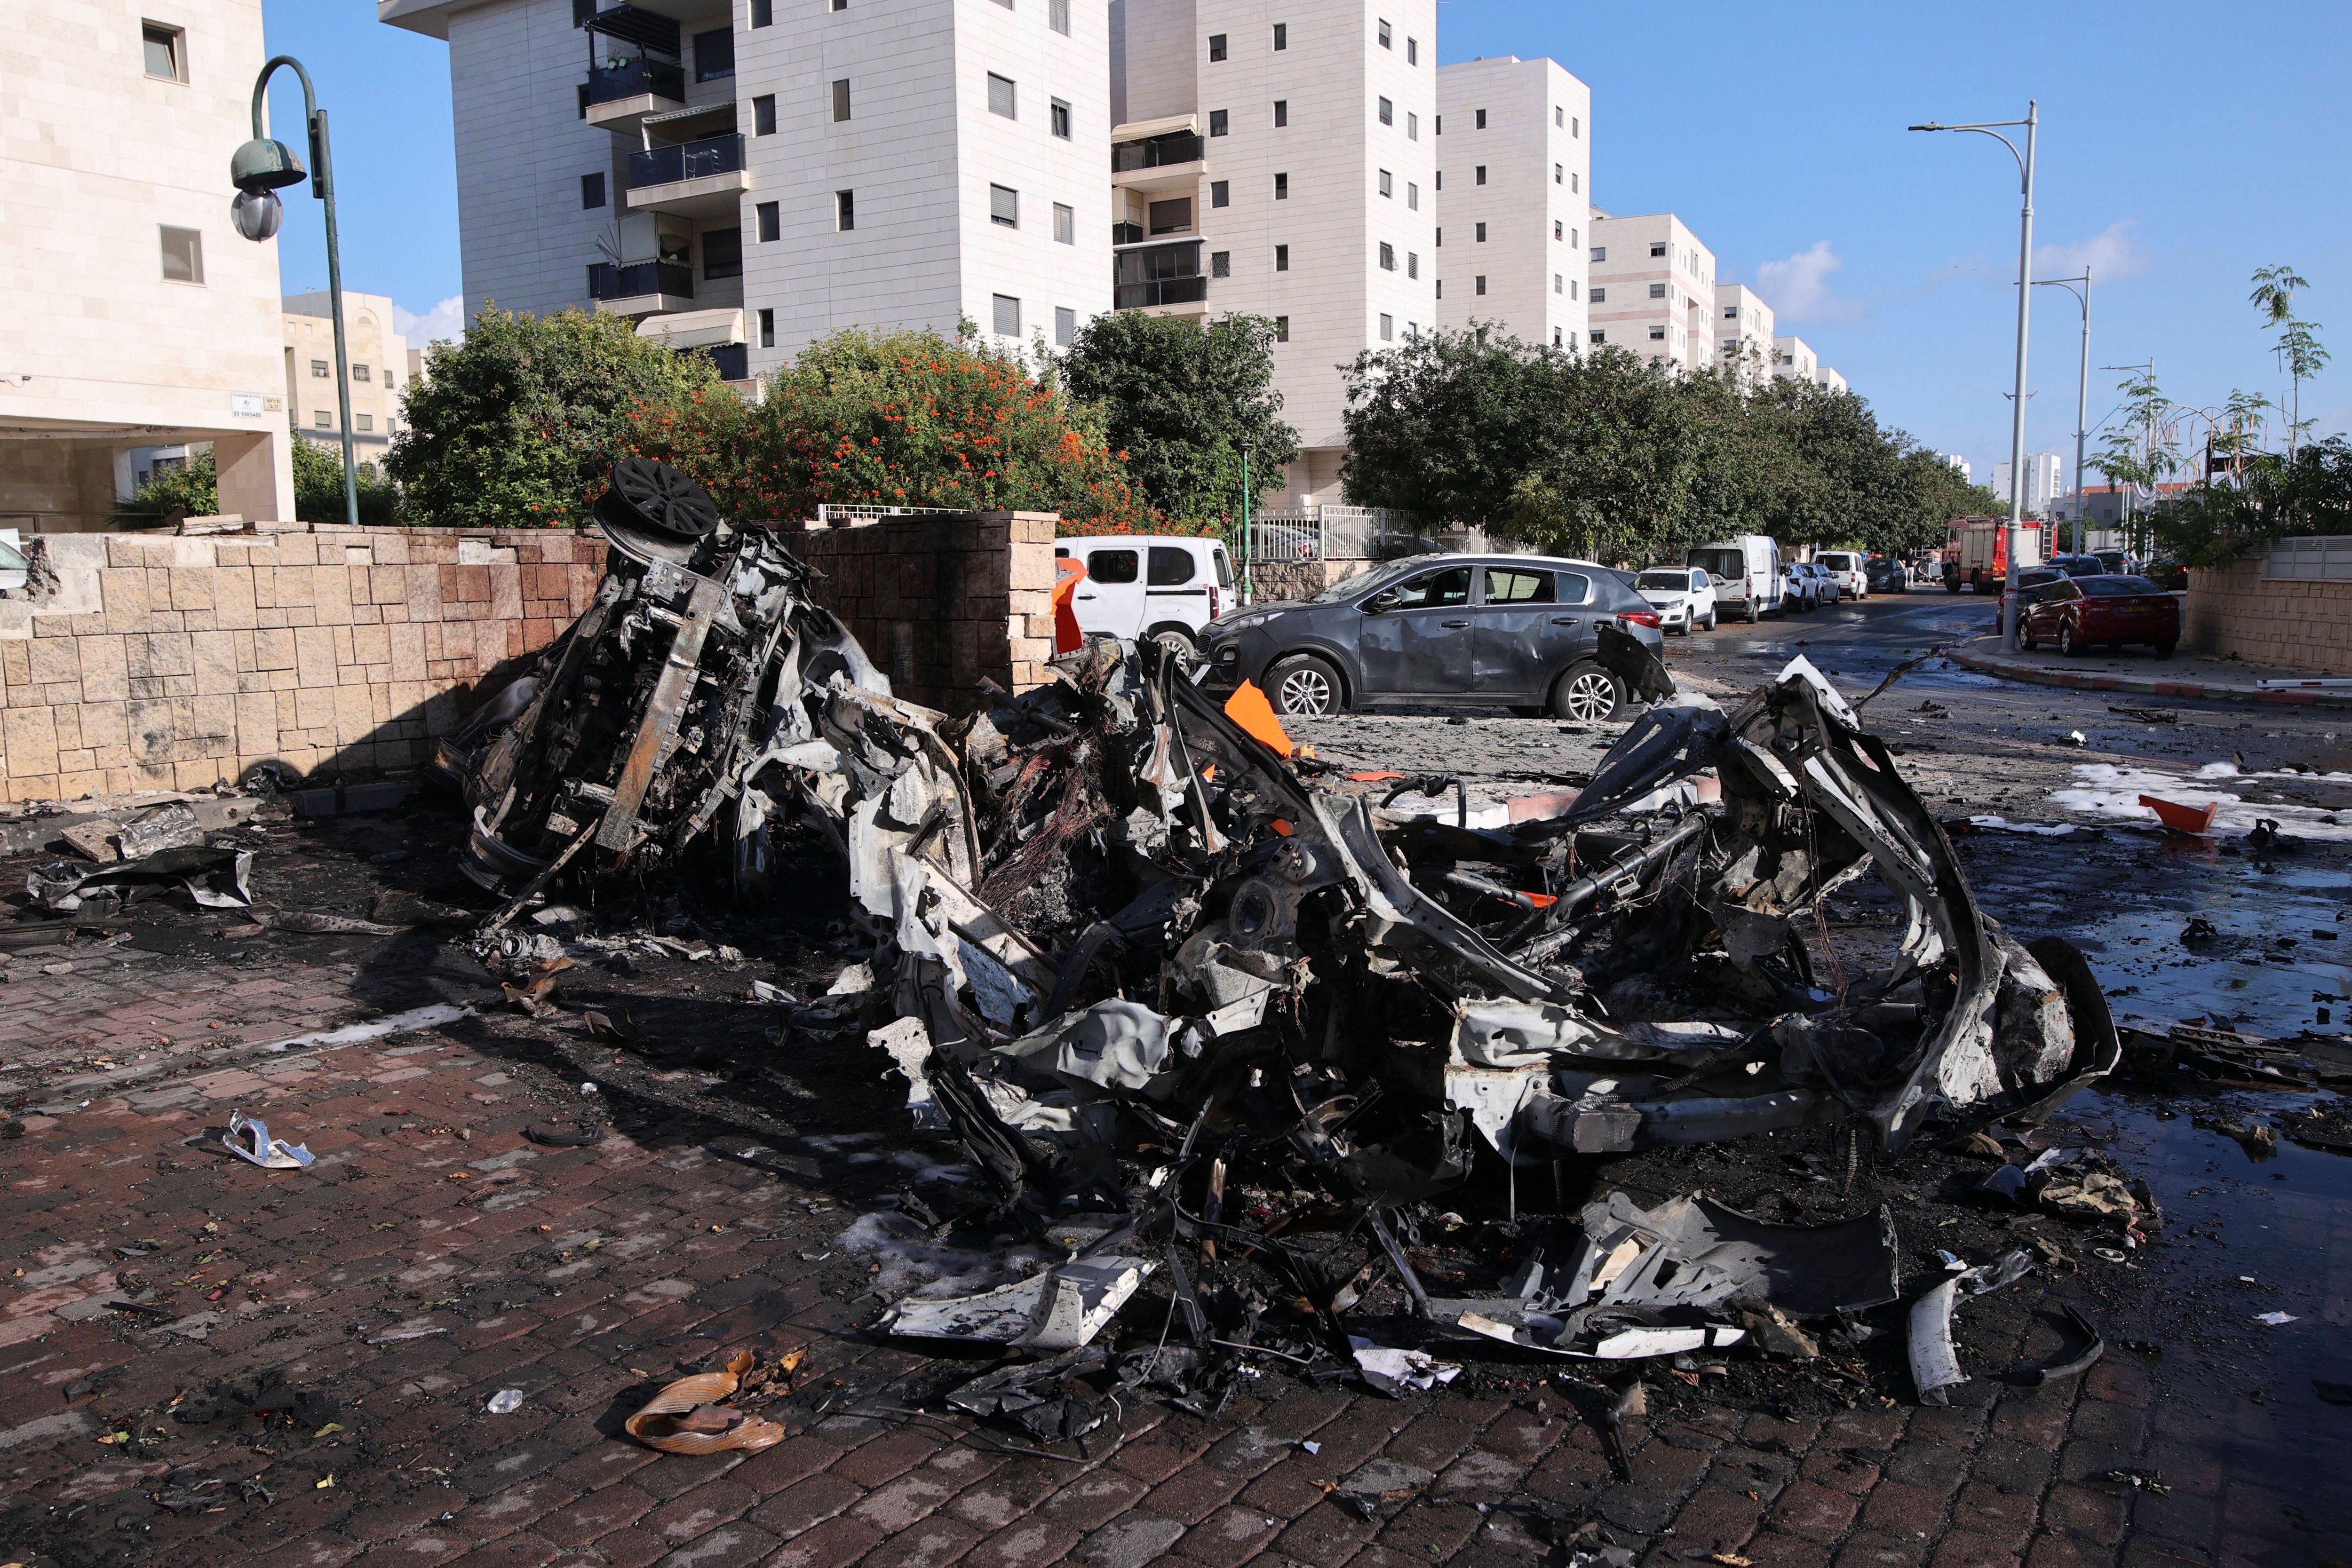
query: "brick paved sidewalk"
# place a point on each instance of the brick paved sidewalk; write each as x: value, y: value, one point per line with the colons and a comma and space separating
x: 412, y: 1272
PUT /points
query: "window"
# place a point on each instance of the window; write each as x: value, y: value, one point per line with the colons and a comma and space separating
x: 763, y: 115
x: 1057, y: 119
x: 1441, y: 236
x: 1436, y: 590
x: 364, y: 422
x: 183, y: 255
x: 1657, y: 250
x: 1004, y: 207
x: 1554, y: 337
x: 1572, y: 238
x: 1221, y: 263
x: 1384, y: 36
x: 1065, y: 326
x: 1731, y: 312
x: 1519, y: 586
x: 1003, y: 97
x: 1560, y: 283
x: 592, y: 191
x: 1482, y: 120
x: 1559, y: 115
x: 841, y: 100
x: 1173, y: 215
x: 1440, y: 177
x: 1388, y: 112
x: 1114, y: 566
x: 1412, y: 126
x: 1057, y: 15
x: 1481, y: 234
x: 1598, y: 337
x: 319, y: 368
x: 1412, y: 264
x: 319, y: 419
x: 1007, y: 315
x: 581, y: 11
x: 1600, y: 253
x: 1441, y: 288
x: 1558, y: 173
x: 1571, y: 288
x: 1388, y: 335
x: 1657, y: 291
x: 1170, y: 567
x: 1658, y: 334
x: 845, y: 210
x: 1281, y: 36
x: 841, y: 4
x: 1575, y: 127
x: 1388, y: 256
x: 1216, y: 46
x: 167, y: 52
x: 1575, y: 182
x: 1388, y: 184
x: 1281, y: 112
x: 1282, y: 187
x: 769, y: 216
x: 1482, y: 175
x: 1412, y: 51
x: 1282, y: 258
x: 1218, y: 122
x: 1066, y: 224
x: 1557, y: 229
x: 1221, y: 193
x: 1599, y: 296
x: 722, y: 253
x: 1480, y: 282
x: 1281, y: 329
x: 763, y: 12
x: 1413, y: 195
x: 767, y: 328
x: 583, y: 92
x: 359, y: 373
x: 714, y: 54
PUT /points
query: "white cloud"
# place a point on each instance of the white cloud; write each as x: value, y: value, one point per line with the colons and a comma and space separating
x: 445, y: 321
x: 1799, y: 291
x: 2109, y: 254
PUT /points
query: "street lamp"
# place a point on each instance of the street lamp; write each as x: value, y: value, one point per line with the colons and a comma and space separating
x: 2081, y: 386
x: 2024, y: 310
x: 261, y: 169
x: 1249, y: 551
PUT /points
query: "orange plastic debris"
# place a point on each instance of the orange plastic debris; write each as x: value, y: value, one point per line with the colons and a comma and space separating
x: 1248, y: 707
x: 1066, y: 636
x: 1376, y: 777
x: 681, y: 1418
x: 2180, y: 819
x: 1281, y: 828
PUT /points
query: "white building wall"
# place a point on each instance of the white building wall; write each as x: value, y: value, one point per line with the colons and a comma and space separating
x: 1652, y: 291
x: 1536, y: 148
x: 380, y: 371
x: 1794, y: 357
x: 1743, y: 334
x: 2041, y: 480
x: 1829, y: 380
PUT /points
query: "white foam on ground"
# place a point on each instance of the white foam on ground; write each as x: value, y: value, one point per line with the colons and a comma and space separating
x: 2103, y: 789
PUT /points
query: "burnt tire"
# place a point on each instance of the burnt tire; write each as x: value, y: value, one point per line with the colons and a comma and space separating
x: 1304, y: 687
x: 1586, y: 694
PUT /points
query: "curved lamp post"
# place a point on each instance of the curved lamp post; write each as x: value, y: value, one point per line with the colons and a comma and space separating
x: 262, y: 168
x: 1992, y: 128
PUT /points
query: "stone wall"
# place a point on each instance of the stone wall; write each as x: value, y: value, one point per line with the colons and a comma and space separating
x: 1278, y: 579
x: 2295, y: 625
x: 943, y: 599
x: 169, y: 663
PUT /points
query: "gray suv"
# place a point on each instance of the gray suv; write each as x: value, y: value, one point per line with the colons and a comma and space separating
x: 1501, y: 631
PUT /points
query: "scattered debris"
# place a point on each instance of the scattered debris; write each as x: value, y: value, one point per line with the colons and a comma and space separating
x: 215, y: 878
x: 2195, y: 820
x: 692, y: 1415
x: 2147, y: 715
x: 249, y: 1139
x: 2274, y: 1319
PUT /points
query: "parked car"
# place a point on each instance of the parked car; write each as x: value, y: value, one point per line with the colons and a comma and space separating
x: 1684, y: 597
x: 1746, y: 573
x: 2109, y: 610
x: 1167, y: 587
x: 1809, y: 587
x: 2166, y: 572
x: 1493, y: 630
x: 1884, y: 574
x: 2120, y: 560
x: 2080, y: 565
x: 2033, y: 577
x: 1847, y: 569
x: 1826, y: 587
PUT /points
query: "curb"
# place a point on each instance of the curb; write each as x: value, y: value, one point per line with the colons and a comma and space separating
x: 1989, y: 664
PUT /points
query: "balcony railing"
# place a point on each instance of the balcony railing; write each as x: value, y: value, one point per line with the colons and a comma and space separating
x: 1159, y: 291
x: 733, y: 359
x: 607, y: 282
x: 637, y: 78
x: 1158, y: 152
x: 1127, y: 233
x: 685, y: 161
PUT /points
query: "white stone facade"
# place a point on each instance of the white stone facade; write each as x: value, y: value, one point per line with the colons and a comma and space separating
x: 1828, y: 379
x: 1793, y: 358
x: 1651, y: 290
x: 2042, y: 470
x: 1743, y: 334
x: 1514, y: 250
x: 379, y: 360
x: 136, y: 315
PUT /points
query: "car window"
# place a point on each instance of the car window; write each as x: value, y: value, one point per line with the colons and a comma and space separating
x: 1517, y: 587
x: 1365, y: 583
x: 2110, y: 586
x: 1575, y: 588
x: 1224, y: 567
x: 1112, y: 564
x: 1722, y: 562
x: 1670, y: 582
x: 1698, y: 578
x: 1435, y: 590
x: 1171, y: 566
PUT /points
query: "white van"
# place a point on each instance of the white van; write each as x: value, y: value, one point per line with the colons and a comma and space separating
x: 1164, y: 586
x: 1746, y: 572
x: 1846, y: 568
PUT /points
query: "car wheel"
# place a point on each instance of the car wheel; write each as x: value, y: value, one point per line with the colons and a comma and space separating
x: 1755, y: 610
x: 2164, y: 649
x: 1710, y: 620
x: 2025, y: 636
x: 1304, y: 687
x: 1585, y: 694
x: 2066, y: 643
x: 1179, y: 642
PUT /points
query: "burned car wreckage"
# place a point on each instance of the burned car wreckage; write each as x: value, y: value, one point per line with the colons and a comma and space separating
x: 1166, y: 979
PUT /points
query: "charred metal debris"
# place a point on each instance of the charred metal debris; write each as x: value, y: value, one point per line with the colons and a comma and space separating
x: 1197, y: 1005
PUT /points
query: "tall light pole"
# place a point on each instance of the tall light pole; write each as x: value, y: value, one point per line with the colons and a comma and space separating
x: 262, y: 168
x: 1992, y: 127
x: 1249, y: 549
x: 2081, y: 386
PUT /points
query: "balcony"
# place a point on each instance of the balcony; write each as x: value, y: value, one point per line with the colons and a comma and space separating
x: 1127, y: 233
x: 1159, y: 291
x: 1162, y: 275
x: 1169, y: 163
x: 640, y: 287
x: 621, y: 95
x: 694, y: 179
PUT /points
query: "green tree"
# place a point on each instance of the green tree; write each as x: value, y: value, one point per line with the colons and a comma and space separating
x: 2273, y: 497
x: 1183, y: 398
x: 1442, y: 428
x: 1627, y: 457
x: 2299, y: 350
x: 318, y: 487
x: 516, y: 424
x: 192, y: 489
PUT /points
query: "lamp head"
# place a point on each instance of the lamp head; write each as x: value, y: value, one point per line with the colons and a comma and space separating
x: 257, y: 214
x: 262, y: 165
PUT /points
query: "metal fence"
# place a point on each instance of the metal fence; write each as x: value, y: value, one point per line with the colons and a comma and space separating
x: 827, y: 512
x: 1324, y: 533
x: 2318, y: 558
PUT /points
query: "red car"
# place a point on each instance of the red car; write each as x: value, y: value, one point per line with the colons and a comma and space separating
x: 2078, y: 612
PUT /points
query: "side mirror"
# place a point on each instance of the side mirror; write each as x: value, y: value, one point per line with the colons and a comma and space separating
x: 1383, y: 600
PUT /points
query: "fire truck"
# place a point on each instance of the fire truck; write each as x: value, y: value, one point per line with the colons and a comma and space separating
x: 1976, y: 552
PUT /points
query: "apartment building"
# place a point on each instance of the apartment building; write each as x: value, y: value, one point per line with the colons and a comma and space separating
x: 1515, y: 155
x: 380, y: 360
x: 1743, y: 327
x: 1651, y: 290
x: 2041, y: 481
x: 137, y: 316
x: 1279, y: 159
x: 742, y: 176
x: 1956, y: 463
x: 1828, y: 379
x: 1794, y: 358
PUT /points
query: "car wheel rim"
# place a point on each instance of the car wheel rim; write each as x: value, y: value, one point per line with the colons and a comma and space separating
x: 1305, y: 691
x: 1590, y: 696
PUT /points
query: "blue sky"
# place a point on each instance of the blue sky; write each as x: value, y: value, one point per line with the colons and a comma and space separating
x: 2182, y: 147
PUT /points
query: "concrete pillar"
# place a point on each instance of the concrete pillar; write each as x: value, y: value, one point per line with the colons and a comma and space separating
x: 257, y: 474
